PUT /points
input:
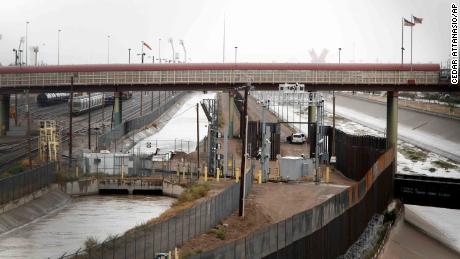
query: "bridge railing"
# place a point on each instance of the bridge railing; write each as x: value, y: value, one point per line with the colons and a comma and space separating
x: 27, y: 182
x: 219, y: 77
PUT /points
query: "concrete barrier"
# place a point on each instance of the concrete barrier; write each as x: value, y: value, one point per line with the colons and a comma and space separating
x: 172, y: 189
x: 78, y: 188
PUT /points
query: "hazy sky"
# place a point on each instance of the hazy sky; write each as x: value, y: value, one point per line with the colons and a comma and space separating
x: 263, y: 30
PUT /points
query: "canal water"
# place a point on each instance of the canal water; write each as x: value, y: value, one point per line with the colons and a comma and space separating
x: 67, y: 229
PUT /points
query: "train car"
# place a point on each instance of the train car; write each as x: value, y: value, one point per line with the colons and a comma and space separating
x: 82, y: 104
x: 110, y: 97
x: 127, y: 95
x: 46, y: 99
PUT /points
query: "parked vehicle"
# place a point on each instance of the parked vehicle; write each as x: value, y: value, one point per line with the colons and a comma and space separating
x: 297, y: 138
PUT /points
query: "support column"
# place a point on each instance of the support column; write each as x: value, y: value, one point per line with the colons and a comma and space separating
x: 230, y: 113
x: 117, y: 109
x: 392, y: 119
x: 4, y: 114
x: 312, y: 127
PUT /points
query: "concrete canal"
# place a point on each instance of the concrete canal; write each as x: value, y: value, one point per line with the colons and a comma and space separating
x: 68, y: 228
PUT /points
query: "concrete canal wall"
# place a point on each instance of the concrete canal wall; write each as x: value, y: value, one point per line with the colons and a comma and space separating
x: 47, y: 202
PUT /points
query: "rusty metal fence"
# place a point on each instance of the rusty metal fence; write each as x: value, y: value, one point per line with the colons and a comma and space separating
x: 148, y: 240
x: 324, y: 231
x: 355, y: 154
x: 27, y: 182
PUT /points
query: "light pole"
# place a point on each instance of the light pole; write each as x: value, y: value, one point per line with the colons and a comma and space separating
x: 159, y: 50
x: 181, y: 42
x: 58, y: 48
x: 16, y: 57
x: 129, y: 56
x: 333, y: 116
x: 27, y: 36
x: 108, y: 49
x: 236, y: 53
x: 171, y: 41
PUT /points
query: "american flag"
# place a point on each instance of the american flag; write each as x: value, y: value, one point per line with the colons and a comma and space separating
x: 417, y: 19
x: 147, y: 45
x: 408, y: 23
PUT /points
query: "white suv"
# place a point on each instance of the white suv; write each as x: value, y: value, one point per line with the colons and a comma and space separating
x: 297, y: 138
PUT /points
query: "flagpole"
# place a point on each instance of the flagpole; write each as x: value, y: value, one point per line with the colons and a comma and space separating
x: 223, y: 44
x: 402, y: 41
x: 142, y: 52
x: 411, y: 32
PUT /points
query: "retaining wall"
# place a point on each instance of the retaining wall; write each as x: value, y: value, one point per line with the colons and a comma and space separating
x: 31, y: 211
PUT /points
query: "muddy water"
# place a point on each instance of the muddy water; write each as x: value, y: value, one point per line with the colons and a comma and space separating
x: 67, y: 229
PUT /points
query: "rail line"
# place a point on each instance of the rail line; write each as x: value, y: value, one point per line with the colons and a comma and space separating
x: 13, y: 153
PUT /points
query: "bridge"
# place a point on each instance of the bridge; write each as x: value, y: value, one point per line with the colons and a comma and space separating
x: 225, y: 76
x: 428, y: 191
x: 222, y: 76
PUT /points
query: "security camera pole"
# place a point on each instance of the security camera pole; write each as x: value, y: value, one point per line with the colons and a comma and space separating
x: 243, y: 152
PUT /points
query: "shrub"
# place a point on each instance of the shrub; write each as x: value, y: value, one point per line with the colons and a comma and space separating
x: 195, y: 191
x: 90, y: 243
x: 220, y: 233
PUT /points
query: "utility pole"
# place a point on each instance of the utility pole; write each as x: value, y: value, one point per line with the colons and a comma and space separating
x: 159, y: 50
x: 333, y: 118
x: 108, y: 49
x: 58, y: 49
x: 142, y: 93
x: 151, y: 103
x: 181, y: 42
x: 198, y: 138
x: 70, y: 121
x: 89, y: 120
x: 27, y: 36
x: 223, y: 44
x: 243, y: 152
x: 29, y: 143
x: 142, y: 60
x: 172, y: 47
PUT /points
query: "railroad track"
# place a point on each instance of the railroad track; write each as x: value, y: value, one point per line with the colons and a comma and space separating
x: 12, y: 153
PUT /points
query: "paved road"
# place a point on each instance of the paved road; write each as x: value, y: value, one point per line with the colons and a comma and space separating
x: 438, y: 134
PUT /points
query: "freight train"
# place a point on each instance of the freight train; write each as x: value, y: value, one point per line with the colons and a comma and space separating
x: 82, y: 104
x: 46, y: 99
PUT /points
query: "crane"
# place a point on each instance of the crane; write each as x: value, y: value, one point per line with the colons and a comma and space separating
x: 181, y: 42
x: 18, y: 52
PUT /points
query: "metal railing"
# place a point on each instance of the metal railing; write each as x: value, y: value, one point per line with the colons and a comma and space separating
x: 27, y: 182
x: 136, y: 123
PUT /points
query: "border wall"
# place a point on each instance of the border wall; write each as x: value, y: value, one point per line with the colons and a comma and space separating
x: 329, y: 229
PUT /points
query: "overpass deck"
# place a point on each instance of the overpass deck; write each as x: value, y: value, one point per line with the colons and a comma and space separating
x: 198, y: 76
